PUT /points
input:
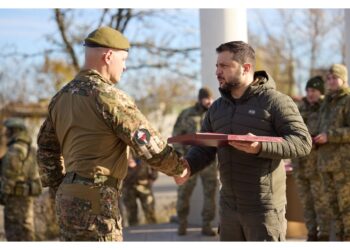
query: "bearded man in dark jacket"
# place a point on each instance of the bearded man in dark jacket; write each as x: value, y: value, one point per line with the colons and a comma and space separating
x: 253, y: 193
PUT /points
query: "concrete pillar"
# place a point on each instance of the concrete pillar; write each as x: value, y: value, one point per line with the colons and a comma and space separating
x: 347, y: 38
x: 218, y: 26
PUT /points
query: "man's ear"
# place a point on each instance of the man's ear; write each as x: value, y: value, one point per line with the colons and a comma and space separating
x: 247, y: 68
x: 107, y: 56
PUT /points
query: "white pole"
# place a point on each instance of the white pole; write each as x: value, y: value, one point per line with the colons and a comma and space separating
x: 347, y: 38
x: 218, y: 26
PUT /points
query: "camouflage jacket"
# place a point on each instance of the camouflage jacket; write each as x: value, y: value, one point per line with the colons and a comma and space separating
x: 89, y: 127
x: 334, y: 120
x: 20, y: 175
x: 310, y: 113
x: 188, y: 122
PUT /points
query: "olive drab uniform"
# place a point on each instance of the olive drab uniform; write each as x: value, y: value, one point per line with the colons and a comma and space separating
x: 334, y: 158
x: 308, y: 179
x: 20, y: 184
x: 83, y: 151
x: 188, y: 122
x: 138, y: 185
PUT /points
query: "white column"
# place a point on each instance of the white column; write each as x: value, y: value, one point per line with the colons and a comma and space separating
x: 218, y: 26
x: 347, y: 38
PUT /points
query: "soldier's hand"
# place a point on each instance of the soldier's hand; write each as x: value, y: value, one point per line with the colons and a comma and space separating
x: 247, y: 146
x: 181, y: 179
x: 321, y: 138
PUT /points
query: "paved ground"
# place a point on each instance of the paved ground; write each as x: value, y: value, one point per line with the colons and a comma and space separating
x: 164, y: 232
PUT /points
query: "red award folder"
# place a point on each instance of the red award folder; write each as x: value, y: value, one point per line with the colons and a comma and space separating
x: 217, y: 140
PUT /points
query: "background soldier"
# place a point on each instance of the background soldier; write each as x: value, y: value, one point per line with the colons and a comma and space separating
x: 333, y: 143
x: 90, y: 126
x: 307, y: 176
x: 138, y: 185
x: 20, y: 182
x: 189, y: 122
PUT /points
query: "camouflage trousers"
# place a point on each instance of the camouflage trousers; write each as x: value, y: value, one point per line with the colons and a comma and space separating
x: 88, y: 213
x: 19, y: 218
x: 314, y: 201
x: 145, y: 195
x: 210, y: 184
x: 337, y: 187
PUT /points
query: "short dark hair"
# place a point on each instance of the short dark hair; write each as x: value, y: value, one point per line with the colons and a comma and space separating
x: 242, y: 52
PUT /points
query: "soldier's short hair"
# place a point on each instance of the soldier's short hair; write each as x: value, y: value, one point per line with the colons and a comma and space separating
x: 241, y: 52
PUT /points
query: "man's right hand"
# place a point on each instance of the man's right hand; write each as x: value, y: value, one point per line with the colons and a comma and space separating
x: 181, y: 179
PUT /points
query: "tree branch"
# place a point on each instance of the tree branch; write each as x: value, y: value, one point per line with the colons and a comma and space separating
x: 68, y: 46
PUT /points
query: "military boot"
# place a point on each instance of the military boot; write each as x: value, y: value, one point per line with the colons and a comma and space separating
x: 182, y: 229
x: 323, y: 237
x: 312, y: 237
x: 207, y: 230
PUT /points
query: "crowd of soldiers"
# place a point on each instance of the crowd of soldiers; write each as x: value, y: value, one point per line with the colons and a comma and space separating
x: 323, y: 177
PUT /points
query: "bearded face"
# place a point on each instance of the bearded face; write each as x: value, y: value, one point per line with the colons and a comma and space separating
x: 228, y: 72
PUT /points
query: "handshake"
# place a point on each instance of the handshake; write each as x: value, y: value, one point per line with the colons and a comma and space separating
x: 181, y: 179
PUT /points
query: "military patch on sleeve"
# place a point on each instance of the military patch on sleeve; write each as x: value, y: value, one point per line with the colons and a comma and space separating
x: 148, y: 145
x: 142, y: 137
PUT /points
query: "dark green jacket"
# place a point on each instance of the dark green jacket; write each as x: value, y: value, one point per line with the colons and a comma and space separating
x: 254, y: 183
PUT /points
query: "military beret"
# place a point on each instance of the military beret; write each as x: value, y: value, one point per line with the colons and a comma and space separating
x: 340, y: 71
x: 316, y: 83
x: 107, y: 37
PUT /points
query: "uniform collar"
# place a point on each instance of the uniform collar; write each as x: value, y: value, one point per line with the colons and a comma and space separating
x: 93, y: 73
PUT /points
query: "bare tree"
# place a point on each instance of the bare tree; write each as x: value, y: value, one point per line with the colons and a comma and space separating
x: 299, y: 41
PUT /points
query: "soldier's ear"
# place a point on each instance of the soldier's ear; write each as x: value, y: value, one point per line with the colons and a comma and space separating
x: 107, y: 56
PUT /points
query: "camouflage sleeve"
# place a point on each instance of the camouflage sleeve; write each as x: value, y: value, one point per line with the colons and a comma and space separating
x: 341, y: 134
x: 50, y: 160
x: 130, y: 125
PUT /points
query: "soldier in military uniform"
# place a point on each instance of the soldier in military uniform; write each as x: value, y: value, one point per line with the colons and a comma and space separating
x: 83, y: 145
x: 138, y: 185
x: 333, y: 140
x: 189, y: 122
x: 20, y: 182
x: 306, y: 174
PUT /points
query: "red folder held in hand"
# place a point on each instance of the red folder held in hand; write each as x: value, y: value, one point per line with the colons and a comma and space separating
x: 217, y: 140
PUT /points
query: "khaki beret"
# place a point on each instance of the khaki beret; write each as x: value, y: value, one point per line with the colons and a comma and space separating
x: 107, y: 37
x: 340, y: 71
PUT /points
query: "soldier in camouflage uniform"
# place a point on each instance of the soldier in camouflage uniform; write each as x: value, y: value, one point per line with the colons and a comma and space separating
x: 138, y: 185
x: 306, y: 174
x: 83, y: 145
x: 20, y: 182
x: 333, y: 143
x: 188, y: 122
